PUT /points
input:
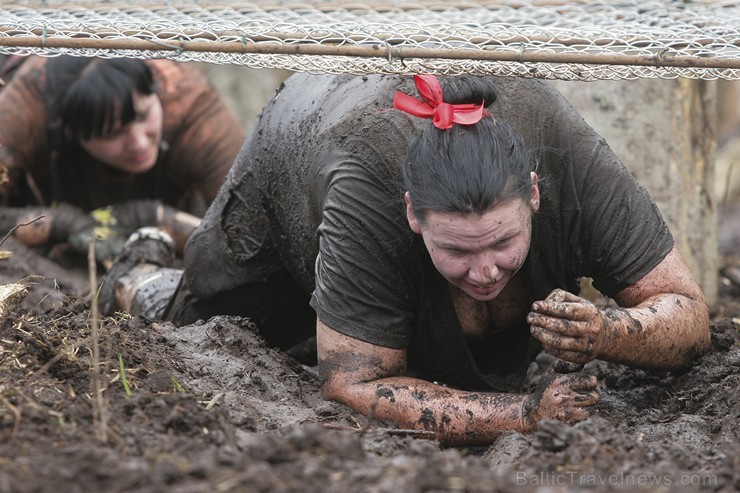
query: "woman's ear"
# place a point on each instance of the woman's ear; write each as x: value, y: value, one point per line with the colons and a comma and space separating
x: 534, y: 194
x: 410, y: 216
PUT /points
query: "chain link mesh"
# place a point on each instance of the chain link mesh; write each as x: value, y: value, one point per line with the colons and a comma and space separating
x: 568, y: 40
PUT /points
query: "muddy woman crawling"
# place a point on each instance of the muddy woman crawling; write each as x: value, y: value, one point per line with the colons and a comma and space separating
x: 100, y: 147
x: 434, y: 249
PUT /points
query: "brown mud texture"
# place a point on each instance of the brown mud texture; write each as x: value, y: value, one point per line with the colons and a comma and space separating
x: 133, y: 405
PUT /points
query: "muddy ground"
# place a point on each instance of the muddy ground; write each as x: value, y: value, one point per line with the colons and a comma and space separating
x: 210, y: 408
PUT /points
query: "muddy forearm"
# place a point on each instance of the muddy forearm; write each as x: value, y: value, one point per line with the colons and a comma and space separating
x: 457, y: 417
x: 663, y: 333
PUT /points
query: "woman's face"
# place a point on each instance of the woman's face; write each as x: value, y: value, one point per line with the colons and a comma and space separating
x: 479, y: 254
x: 133, y: 147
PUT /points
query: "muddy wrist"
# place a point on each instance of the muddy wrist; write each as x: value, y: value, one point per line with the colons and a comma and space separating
x: 529, y: 414
x: 609, y: 317
x: 67, y: 220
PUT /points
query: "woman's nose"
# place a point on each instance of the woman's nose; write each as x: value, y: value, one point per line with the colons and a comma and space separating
x: 138, y: 138
x: 484, y: 270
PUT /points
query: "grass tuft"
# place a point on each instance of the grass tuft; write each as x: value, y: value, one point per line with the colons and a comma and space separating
x: 122, y: 372
x: 176, y: 384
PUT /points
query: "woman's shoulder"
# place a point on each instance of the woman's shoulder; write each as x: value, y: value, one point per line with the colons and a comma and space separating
x: 186, y: 94
x: 30, y: 71
x: 173, y: 78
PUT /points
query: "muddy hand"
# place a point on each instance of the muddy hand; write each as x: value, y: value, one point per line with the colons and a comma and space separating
x: 569, y: 327
x: 564, y: 367
x: 562, y: 397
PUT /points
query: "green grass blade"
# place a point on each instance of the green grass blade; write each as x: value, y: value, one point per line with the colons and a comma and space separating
x: 122, y: 372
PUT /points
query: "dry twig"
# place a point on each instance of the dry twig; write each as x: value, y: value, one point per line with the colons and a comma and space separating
x: 16, y: 413
x: 429, y: 435
x: 12, y: 230
x: 99, y: 411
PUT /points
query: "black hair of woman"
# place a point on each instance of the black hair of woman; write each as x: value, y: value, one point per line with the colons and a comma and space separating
x: 467, y: 168
x: 87, y: 97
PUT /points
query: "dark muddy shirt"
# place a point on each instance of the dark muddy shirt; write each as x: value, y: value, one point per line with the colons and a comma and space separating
x: 325, y: 160
x: 200, y: 136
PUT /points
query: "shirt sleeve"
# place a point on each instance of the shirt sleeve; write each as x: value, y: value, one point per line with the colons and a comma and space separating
x: 363, y: 285
x: 596, y: 220
x: 614, y: 231
x: 624, y: 233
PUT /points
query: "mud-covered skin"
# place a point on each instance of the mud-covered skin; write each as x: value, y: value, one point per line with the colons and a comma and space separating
x: 568, y: 326
x: 662, y: 322
x: 562, y: 397
x: 370, y: 379
x: 663, y: 325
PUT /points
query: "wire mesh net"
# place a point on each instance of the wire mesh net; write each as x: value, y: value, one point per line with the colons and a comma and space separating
x: 569, y: 40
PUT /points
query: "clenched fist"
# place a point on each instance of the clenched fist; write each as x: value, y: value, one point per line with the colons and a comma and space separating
x: 569, y: 327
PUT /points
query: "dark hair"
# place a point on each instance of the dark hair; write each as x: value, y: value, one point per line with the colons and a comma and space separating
x: 466, y: 168
x: 89, y: 96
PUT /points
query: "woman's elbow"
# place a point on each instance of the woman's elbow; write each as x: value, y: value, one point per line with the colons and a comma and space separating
x: 345, y: 391
x: 332, y: 390
x: 698, y: 336
x: 335, y: 383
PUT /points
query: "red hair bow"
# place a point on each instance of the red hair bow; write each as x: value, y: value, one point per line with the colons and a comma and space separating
x: 433, y: 106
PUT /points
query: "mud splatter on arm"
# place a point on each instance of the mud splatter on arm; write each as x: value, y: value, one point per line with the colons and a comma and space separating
x: 370, y: 379
x: 662, y: 323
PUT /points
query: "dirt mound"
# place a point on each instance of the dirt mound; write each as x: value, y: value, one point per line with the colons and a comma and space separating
x: 210, y: 408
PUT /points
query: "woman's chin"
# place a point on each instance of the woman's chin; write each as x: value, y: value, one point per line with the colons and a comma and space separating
x: 139, y: 165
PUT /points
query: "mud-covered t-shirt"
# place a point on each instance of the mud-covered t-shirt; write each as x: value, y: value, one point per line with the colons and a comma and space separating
x: 200, y: 139
x: 334, y: 203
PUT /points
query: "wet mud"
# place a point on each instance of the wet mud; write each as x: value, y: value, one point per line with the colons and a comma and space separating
x: 211, y: 408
